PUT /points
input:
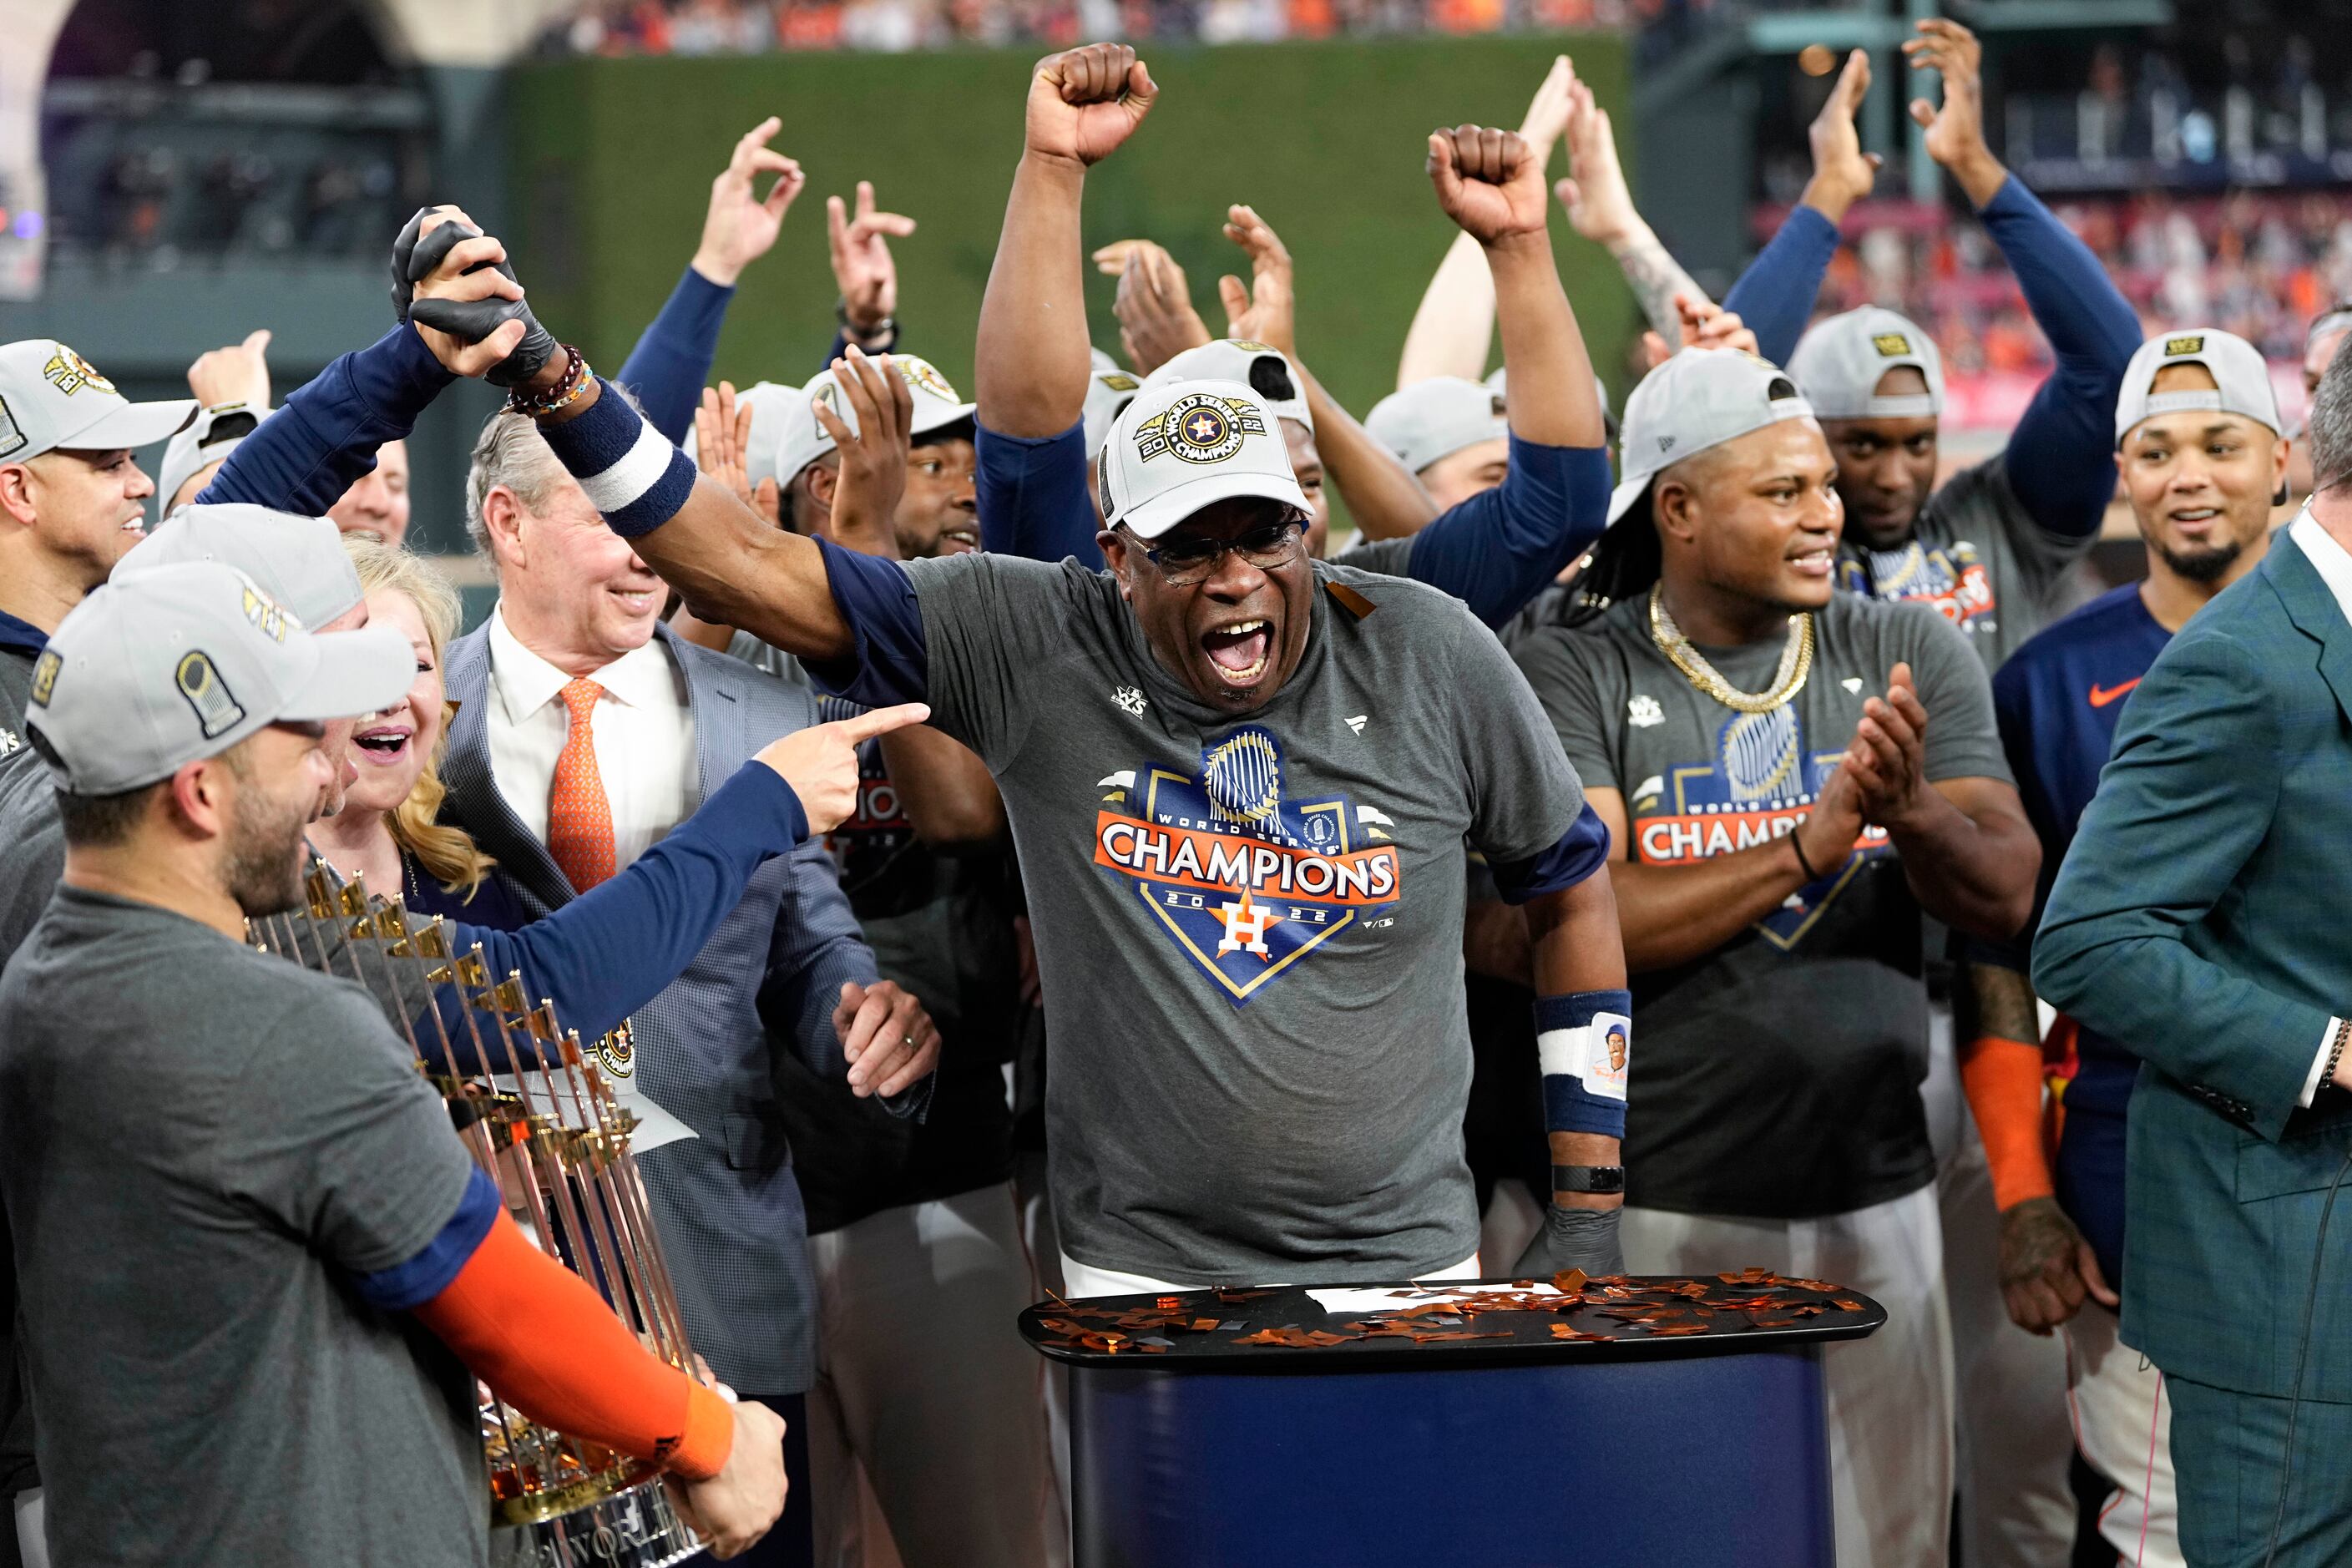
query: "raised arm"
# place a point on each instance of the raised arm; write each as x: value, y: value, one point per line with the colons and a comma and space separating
x: 672, y: 359
x: 306, y: 454
x: 1032, y: 356
x: 1382, y: 494
x: 1601, y: 207
x: 2060, y: 460
x: 1454, y: 326
x: 1775, y: 296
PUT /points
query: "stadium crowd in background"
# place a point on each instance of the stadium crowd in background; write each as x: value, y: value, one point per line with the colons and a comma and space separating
x: 884, y: 752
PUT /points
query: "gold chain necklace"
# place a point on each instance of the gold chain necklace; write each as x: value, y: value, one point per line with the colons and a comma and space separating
x: 1796, y: 661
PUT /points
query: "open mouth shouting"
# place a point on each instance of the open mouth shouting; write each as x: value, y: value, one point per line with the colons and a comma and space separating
x: 1240, y: 651
x: 382, y: 745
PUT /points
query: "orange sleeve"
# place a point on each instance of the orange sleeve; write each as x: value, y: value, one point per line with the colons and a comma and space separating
x: 2002, y: 1079
x: 550, y: 1347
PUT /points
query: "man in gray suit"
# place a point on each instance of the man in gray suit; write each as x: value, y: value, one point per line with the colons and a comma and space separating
x: 584, y: 732
x: 2196, y: 922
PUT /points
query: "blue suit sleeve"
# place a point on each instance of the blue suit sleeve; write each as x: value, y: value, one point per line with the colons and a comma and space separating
x: 671, y: 363
x: 1502, y: 547
x: 2061, y: 461
x: 1032, y: 496
x: 613, y: 948
x: 322, y: 441
x: 817, y: 949
x: 875, y: 598
x: 1775, y: 296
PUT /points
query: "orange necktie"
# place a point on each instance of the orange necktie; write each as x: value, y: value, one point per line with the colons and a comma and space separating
x: 579, y: 816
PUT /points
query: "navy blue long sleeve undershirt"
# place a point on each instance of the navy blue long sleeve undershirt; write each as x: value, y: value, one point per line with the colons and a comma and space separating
x: 671, y: 363
x: 1495, y: 552
x: 323, y: 440
x: 1775, y: 296
x: 613, y: 948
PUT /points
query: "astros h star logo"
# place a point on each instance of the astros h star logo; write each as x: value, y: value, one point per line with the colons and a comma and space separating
x: 1246, y: 882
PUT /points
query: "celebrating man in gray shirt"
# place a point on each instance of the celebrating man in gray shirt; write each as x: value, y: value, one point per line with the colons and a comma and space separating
x: 1239, y: 781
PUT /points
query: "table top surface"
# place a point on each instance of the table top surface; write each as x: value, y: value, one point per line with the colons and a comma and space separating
x: 1567, y: 1318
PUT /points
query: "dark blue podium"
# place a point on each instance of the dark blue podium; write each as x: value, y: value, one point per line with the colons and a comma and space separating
x: 1683, y: 1422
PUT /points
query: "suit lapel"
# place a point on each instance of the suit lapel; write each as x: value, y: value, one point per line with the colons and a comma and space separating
x: 714, y: 700
x: 2313, y: 607
x: 474, y: 797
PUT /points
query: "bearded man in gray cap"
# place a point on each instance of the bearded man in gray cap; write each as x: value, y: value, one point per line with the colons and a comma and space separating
x: 1788, y: 775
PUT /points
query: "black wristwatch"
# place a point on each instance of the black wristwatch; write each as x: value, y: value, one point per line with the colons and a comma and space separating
x: 1604, y: 1179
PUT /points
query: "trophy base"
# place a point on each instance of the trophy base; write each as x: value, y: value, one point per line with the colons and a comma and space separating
x: 631, y: 1528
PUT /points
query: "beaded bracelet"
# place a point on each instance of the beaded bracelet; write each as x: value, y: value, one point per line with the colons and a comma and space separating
x: 575, y: 380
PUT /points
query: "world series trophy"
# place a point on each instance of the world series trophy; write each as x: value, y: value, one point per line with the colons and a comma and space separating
x: 535, y: 1112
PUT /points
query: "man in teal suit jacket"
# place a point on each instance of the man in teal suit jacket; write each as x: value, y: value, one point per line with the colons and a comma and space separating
x: 2201, y: 919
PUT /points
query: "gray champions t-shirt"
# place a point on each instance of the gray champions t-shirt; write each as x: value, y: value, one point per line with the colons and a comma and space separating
x: 1778, y: 1076
x: 1249, y: 928
x: 1978, y: 558
x: 204, y: 1143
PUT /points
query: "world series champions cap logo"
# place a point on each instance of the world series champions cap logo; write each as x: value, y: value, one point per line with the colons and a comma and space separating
x: 1199, y: 428
x: 1243, y: 877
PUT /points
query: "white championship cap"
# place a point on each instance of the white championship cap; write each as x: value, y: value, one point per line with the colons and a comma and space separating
x: 774, y: 406
x: 1109, y: 390
x: 207, y: 438
x: 51, y: 397
x: 1838, y: 364
x: 936, y: 405
x: 1185, y: 445
x: 2242, y: 381
x: 1260, y: 368
x: 1436, y: 418
x: 1699, y: 398
x: 298, y: 560
x: 166, y: 667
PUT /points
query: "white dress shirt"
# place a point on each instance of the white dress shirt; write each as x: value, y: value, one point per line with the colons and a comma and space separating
x: 2334, y: 564
x: 643, y: 728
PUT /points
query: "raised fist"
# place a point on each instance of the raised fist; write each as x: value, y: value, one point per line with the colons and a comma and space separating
x: 453, y: 283
x: 1084, y: 102
x: 1488, y: 181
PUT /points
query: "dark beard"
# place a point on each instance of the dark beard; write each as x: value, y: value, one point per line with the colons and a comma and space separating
x: 2202, y: 566
x: 265, y: 859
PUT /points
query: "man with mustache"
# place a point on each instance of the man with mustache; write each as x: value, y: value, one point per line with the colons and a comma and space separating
x: 1240, y: 780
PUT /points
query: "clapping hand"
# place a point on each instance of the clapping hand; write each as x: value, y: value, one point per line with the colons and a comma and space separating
x: 1888, y: 758
x: 1265, y: 310
x: 722, y: 433
x: 1154, y: 303
x: 872, y: 455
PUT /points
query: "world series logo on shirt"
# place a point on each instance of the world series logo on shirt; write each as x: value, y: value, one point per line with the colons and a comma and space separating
x: 1244, y: 879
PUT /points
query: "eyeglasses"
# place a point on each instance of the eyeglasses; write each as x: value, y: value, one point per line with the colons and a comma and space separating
x: 1189, y: 560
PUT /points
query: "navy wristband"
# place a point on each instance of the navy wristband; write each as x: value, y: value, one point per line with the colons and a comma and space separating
x: 632, y: 474
x: 1585, y: 1042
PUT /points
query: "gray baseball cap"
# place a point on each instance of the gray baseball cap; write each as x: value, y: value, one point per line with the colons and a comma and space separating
x: 1436, y: 418
x: 774, y: 406
x: 299, y: 562
x: 936, y: 405
x: 51, y: 397
x: 2242, y: 380
x: 1108, y: 392
x: 1838, y: 364
x: 172, y: 666
x: 1699, y: 398
x: 1185, y: 445
x: 1257, y: 366
x: 207, y: 438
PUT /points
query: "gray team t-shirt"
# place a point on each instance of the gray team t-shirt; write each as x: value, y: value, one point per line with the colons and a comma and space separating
x: 1978, y: 558
x: 1249, y: 928
x: 1778, y: 1076
x: 204, y: 1145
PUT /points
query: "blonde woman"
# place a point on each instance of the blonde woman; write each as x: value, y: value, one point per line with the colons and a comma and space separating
x: 613, y: 948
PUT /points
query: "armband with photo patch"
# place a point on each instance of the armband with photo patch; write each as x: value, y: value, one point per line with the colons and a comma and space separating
x: 1585, y: 1042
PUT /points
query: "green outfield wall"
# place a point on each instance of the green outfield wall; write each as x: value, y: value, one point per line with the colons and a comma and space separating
x: 611, y: 163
